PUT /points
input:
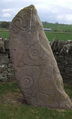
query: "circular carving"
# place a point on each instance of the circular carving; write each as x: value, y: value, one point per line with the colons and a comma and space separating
x: 28, y: 82
x: 20, y: 24
x: 35, y: 52
x: 17, y: 23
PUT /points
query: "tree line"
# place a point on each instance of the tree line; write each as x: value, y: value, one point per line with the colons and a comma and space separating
x: 4, y: 24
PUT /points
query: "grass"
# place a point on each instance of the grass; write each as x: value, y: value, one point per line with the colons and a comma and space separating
x: 50, y: 35
x: 59, y: 35
x: 59, y: 31
x: 29, y: 112
x: 5, y: 87
x: 68, y: 89
x: 12, y: 106
x: 59, y: 27
x: 4, y: 33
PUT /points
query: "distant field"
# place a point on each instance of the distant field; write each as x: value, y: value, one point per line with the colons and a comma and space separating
x: 50, y: 35
x: 58, y: 36
x: 58, y: 27
x: 4, y: 33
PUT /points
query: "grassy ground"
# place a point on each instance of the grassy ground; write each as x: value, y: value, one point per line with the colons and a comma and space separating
x: 59, y: 35
x: 13, y: 107
x: 50, y: 35
x: 59, y: 27
x: 4, y: 33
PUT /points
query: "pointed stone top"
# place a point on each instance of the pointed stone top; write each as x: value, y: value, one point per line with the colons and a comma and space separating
x: 29, y: 8
x: 26, y: 20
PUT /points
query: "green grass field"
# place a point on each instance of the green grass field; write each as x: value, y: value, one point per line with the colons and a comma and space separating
x: 59, y: 31
x: 50, y: 35
x: 59, y: 27
x: 13, y: 107
x: 58, y: 35
x: 4, y: 33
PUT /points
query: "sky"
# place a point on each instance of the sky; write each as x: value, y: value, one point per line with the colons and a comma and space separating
x: 53, y: 11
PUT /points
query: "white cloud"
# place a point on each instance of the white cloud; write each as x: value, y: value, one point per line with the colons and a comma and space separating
x: 48, y: 10
x: 7, y: 10
x: 6, y: 15
x: 8, y: 0
x: 69, y: 17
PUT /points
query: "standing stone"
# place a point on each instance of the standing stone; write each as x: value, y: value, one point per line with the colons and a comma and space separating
x: 35, y: 66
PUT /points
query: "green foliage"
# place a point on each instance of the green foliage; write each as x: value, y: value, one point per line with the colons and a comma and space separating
x: 4, y: 24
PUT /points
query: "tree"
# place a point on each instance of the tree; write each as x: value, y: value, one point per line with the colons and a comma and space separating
x: 5, y: 24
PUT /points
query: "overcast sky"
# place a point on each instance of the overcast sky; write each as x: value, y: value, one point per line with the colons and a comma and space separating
x: 49, y: 10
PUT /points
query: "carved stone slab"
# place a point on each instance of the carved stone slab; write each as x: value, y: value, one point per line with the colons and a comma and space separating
x: 35, y: 66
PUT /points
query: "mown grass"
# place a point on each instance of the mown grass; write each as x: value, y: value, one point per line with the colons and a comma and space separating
x: 4, y: 33
x: 59, y: 27
x: 12, y: 106
x: 29, y: 112
x: 50, y: 35
x: 58, y: 35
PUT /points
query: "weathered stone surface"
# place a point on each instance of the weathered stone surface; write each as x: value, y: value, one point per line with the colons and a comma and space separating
x: 35, y: 66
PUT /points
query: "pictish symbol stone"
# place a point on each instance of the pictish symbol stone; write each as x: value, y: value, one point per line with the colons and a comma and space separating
x: 35, y: 66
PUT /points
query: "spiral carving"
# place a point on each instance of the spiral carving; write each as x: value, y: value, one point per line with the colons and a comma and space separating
x: 35, y: 51
x: 16, y: 25
x: 28, y: 81
x: 37, y: 54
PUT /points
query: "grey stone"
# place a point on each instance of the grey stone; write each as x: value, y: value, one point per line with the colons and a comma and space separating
x: 35, y: 66
x: 6, y: 69
x: 63, y: 53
